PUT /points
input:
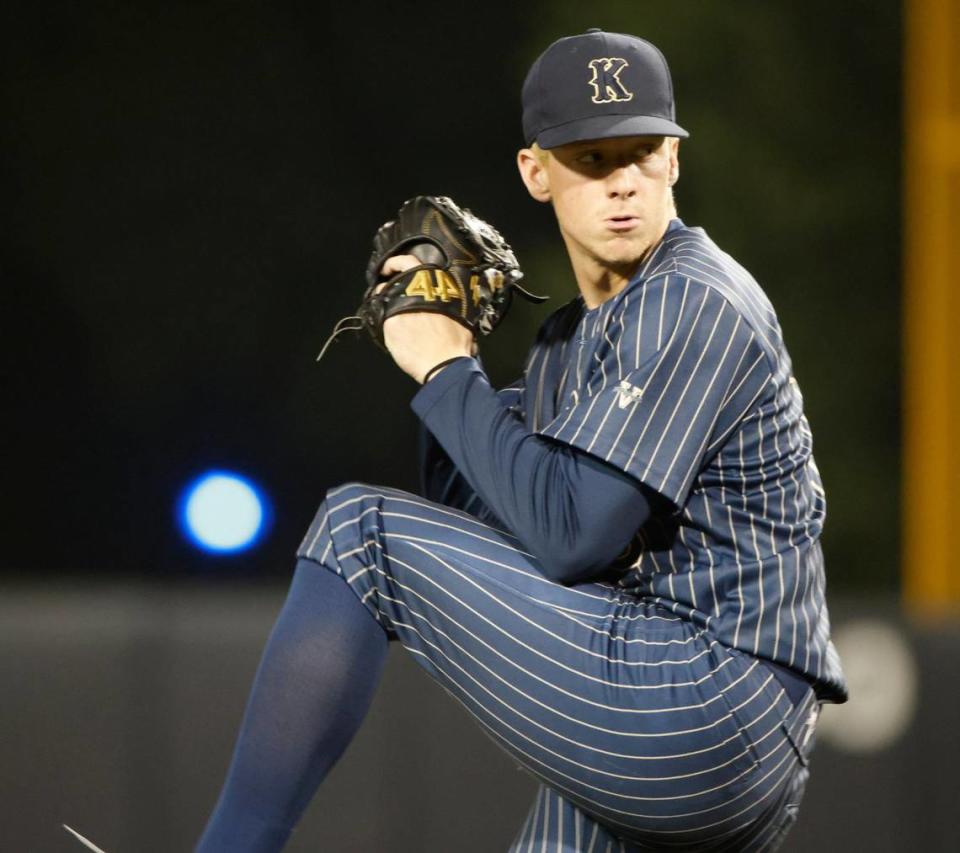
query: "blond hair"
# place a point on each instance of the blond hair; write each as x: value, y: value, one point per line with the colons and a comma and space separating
x: 541, y: 154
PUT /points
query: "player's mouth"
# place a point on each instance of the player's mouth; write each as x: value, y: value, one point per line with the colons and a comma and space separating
x: 622, y: 223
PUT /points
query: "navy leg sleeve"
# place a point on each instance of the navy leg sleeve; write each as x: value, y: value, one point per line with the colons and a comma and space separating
x: 315, y: 682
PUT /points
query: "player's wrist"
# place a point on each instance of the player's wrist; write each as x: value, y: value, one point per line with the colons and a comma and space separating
x: 439, y: 367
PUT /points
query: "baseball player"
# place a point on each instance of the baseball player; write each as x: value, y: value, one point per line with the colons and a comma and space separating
x: 614, y: 563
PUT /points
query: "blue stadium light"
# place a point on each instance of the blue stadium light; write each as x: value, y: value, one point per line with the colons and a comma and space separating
x: 222, y: 512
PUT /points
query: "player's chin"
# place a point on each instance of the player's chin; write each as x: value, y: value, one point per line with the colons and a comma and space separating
x: 623, y: 253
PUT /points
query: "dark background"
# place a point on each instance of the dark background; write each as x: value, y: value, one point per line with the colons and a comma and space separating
x: 192, y: 189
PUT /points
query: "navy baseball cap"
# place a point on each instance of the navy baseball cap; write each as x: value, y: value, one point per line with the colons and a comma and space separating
x: 597, y: 85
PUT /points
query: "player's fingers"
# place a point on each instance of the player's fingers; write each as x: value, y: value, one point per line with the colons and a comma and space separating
x: 398, y: 263
x: 393, y: 265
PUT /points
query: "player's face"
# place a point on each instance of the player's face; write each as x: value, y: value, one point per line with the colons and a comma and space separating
x: 612, y: 197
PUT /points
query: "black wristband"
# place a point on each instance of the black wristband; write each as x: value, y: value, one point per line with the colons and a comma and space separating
x: 436, y: 367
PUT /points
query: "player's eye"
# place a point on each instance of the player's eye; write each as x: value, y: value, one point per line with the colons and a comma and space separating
x: 589, y: 158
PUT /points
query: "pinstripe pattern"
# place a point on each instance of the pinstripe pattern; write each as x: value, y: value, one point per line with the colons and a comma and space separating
x: 683, y: 381
x: 640, y: 720
x: 641, y: 705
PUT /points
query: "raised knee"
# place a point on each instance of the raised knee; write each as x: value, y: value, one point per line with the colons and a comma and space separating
x: 347, y: 492
x: 348, y: 516
x: 351, y: 503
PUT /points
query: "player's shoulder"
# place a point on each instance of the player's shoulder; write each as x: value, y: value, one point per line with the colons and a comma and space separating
x: 689, y: 252
x: 689, y: 260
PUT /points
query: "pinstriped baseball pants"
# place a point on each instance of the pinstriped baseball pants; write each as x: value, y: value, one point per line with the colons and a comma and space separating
x: 644, y: 731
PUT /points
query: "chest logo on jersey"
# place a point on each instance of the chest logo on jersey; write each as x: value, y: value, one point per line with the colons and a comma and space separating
x: 627, y: 394
x: 606, y: 82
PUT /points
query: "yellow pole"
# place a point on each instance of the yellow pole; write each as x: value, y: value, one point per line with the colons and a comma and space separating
x: 931, y: 308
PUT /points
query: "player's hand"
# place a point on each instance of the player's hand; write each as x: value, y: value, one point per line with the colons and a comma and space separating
x: 420, y: 340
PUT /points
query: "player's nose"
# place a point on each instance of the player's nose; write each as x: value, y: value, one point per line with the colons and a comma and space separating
x: 623, y: 180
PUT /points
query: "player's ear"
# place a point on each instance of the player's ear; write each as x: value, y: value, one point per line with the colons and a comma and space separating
x: 674, y: 152
x: 534, y: 173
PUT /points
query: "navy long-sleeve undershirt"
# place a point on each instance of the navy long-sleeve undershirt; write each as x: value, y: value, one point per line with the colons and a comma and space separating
x: 573, y: 512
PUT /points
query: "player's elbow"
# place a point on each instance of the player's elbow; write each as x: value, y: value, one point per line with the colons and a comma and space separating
x: 593, y: 546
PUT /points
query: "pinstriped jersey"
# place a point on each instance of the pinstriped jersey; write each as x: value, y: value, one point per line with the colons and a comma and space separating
x: 683, y: 381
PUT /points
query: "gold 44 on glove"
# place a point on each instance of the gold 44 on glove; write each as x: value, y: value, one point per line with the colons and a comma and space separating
x: 467, y: 271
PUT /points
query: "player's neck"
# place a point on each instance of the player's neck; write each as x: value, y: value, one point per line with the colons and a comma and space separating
x: 600, y: 280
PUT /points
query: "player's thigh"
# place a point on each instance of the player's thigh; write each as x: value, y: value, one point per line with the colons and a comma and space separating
x: 477, y: 607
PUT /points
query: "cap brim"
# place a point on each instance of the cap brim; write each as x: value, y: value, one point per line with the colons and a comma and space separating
x: 605, y: 127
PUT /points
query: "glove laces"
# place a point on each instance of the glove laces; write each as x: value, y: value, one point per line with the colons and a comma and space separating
x: 355, y: 325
